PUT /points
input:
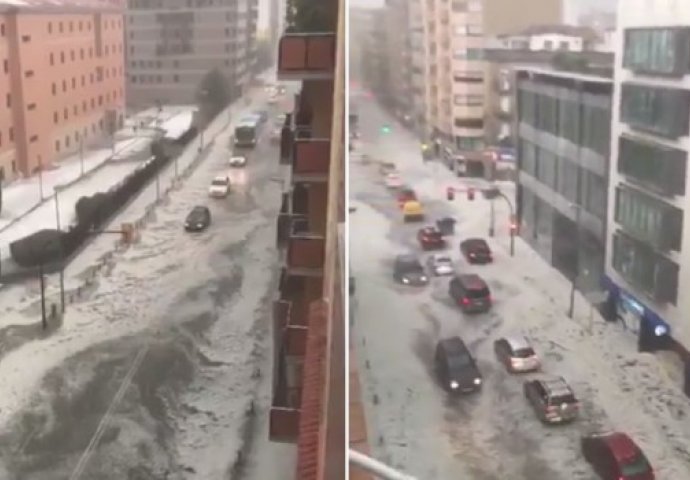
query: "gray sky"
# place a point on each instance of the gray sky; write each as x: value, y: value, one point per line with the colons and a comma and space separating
x: 572, y: 7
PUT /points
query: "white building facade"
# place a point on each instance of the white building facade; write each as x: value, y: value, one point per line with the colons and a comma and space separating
x: 647, y: 267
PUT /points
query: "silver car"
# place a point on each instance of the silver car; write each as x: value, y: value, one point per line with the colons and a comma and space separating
x: 440, y: 264
x: 552, y: 400
x: 517, y: 354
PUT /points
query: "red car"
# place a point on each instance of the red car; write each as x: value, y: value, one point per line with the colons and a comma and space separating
x: 430, y: 238
x: 615, y: 456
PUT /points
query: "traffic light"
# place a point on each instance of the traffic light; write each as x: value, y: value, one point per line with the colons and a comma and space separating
x: 386, y: 129
x: 425, y: 147
x: 470, y: 194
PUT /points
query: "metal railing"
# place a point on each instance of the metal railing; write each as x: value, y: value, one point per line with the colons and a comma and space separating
x: 376, y: 468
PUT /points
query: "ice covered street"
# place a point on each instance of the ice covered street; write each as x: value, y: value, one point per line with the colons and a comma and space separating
x: 494, y: 434
x: 158, y: 362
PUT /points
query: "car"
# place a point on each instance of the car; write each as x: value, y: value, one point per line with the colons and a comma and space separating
x: 409, y: 271
x: 406, y: 194
x: 198, y: 219
x: 476, y: 250
x: 262, y: 115
x: 552, y: 399
x: 393, y: 180
x: 386, y: 168
x: 413, y: 211
x: 237, y: 161
x: 470, y: 292
x: 220, y: 187
x: 440, y: 264
x: 517, y: 354
x: 615, y: 456
x: 430, y: 238
x: 455, y: 368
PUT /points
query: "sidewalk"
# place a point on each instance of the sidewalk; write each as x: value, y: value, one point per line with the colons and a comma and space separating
x: 21, y: 197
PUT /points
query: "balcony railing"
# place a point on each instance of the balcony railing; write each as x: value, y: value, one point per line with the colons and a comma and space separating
x: 311, y: 160
x: 306, y: 56
x: 305, y: 252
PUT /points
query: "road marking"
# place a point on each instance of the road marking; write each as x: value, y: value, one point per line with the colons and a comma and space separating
x: 98, y: 434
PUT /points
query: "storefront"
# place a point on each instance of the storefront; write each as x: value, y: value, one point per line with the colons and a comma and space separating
x: 631, y: 311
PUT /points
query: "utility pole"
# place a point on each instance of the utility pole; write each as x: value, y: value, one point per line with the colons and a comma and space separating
x: 40, y: 177
x: 44, y: 320
x: 576, y: 273
x: 492, y: 226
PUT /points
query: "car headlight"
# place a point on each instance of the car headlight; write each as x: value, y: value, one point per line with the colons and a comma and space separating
x: 454, y: 384
x: 477, y: 381
x: 199, y: 225
x: 423, y: 278
x: 186, y: 224
x: 405, y: 280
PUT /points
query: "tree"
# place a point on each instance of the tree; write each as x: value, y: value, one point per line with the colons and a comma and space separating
x: 307, y: 16
x: 213, y: 94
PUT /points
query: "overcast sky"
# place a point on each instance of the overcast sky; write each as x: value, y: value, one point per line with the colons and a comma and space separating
x: 572, y: 7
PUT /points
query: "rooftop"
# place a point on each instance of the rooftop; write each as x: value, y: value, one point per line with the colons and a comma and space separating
x: 59, y: 5
x: 552, y: 72
x: 558, y: 29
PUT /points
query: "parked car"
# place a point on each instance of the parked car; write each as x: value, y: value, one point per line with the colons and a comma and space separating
x: 409, y: 271
x: 455, y: 367
x: 413, y: 211
x: 406, y: 194
x: 440, y: 264
x: 220, y: 187
x: 476, y: 250
x: 552, y: 400
x: 393, y: 180
x: 615, y: 456
x: 517, y: 354
x: 430, y: 238
x: 386, y: 168
x: 198, y: 219
x: 471, y: 293
x: 238, y: 161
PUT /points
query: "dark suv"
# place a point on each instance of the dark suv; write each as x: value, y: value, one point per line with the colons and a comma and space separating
x: 455, y: 367
x: 552, y: 400
x: 470, y: 293
x: 409, y: 271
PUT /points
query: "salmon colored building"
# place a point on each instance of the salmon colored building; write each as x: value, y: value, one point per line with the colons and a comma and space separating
x: 61, y: 80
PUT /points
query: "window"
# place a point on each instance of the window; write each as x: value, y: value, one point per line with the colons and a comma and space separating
x: 548, y: 45
x: 56, y: 117
x: 655, y: 166
x: 65, y: 114
x: 528, y: 158
x: 475, y: 30
x: 62, y: 57
x: 477, y: 123
x: 176, y: 78
x: 569, y: 113
x: 652, y: 273
x: 52, y: 59
x: 33, y: 139
x: 657, y: 50
x: 6, y: 65
x: 648, y: 219
x: 547, y: 168
x: 29, y: 73
x: 71, y: 55
x: 596, y: 127
x: 57, y: 145
x: 593, y: 193
x: 53, y: 88
x: 663, y: 111
x: 11, y: 134
x: 568, y: 179
x: 64, y: 85
x: 67, y: 141
x: 8, y: 100
x: 50, y: 27
x: 475, y: 6
x: 74, y: 83
x: 458, y: 6
x: 26, y: 38
x: 563, y: 46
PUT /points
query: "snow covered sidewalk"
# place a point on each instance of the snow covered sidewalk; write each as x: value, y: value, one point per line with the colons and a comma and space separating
x: 22, y: 196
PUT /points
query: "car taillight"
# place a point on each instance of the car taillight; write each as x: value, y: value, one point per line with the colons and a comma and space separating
x: 490, y: 299
x: 465, y: 301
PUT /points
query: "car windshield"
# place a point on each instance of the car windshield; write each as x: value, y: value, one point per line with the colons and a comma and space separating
x: 635, y: 466
x: 478, y: 246
x: 478, y: 292
x: 219, y: 182
x: 197, y: 212
x: 412, y: 267
x: 524, y: 352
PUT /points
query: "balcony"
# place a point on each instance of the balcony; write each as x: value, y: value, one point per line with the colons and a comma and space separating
x: 311, y: 160
x: 306, y: 56
x: 305, y: 252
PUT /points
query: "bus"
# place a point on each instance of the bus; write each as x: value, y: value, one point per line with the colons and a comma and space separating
x: 247, y: 132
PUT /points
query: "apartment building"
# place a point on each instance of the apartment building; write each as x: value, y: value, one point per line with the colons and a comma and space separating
x: 563, y: 137
x: 308, y: 407
x: 648, y: 244
x: 61, y: 83
x: 173, y: 44
x: 455, y: 70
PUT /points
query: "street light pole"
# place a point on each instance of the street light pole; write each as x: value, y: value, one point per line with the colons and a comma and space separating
x: 576, y: 273
x: 40, y: 178
x: 62, y: 252
x: 44, y: 320
x: 492, y: 226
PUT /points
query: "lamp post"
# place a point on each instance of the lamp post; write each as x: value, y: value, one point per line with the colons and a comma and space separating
x: 40, y: 177
x: 576, y: 273
x: 61, y: 249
